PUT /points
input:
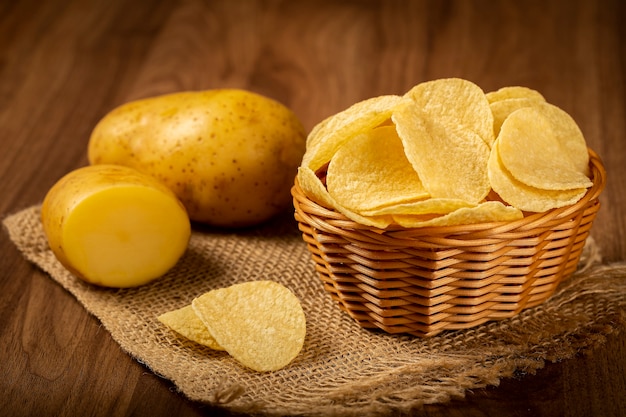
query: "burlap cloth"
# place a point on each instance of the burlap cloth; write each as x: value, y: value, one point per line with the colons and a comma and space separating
x: 342, y: 369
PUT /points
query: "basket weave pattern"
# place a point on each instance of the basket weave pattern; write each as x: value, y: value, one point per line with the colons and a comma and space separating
x: 423, y: 281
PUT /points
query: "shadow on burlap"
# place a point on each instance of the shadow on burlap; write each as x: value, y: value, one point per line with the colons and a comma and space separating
x: 342, y: 369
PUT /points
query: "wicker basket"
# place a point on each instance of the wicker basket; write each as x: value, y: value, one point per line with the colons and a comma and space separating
x: 425, y: 280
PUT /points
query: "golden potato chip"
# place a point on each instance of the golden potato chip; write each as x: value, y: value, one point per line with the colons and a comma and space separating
x: 568, y: 135
x: 327, y: 136
x: 313, y: 188
x: 565, y: 129
x: 523, y: 196
x: 436, y: 206
x: 371, y: 171
x: 261, y: 324
x: 503, y: 108
x: 450, y: 161
x: 185, y: 322
x: 514, y: 91
x: 457, y: 104
x: 532, y: 154
x: 377, y: 221
x: 486, y: 212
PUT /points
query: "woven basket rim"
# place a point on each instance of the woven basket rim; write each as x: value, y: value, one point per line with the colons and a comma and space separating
x: 339, y: 220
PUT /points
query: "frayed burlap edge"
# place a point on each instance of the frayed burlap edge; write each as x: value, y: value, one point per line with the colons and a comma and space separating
x: 342, y: 369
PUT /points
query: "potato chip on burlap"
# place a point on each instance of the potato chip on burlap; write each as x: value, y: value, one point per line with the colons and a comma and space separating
x: 185, y: 322
x: 259, y: 323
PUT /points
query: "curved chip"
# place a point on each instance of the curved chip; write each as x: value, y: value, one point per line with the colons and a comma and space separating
x: 450, y: 161
x: 328, y: 136
x: 531, y: 151
x: 436, y: 206
x: 503, y: 108
x: 457, y: 104
x: 261, y: 324
x: 372, y: 171
x: 565, y: 129
x: 313, y: 187
x: 185, y: 322
x: 316, y: 191
x: 514, y: 91
x: 508, y: 99
x: 568, y: 135
x: 523, y: 196
x: 486, y: 212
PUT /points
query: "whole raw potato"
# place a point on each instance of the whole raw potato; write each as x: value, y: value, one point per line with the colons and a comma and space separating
x: 229, y: 155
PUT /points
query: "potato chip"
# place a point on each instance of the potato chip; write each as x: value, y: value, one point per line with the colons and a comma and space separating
x: 328, y: 136
x: 377, y: 221
x: 261, y: 324
x: 457, y: 104
x: 316, y: 191
x: 185, y: 322
x: 568, y: 134
x: 450, y: 161
x: 514, y: 91
x: 371, y: 171
x: 486, y: 212
x: 313, y: 188
x: 564, y: 127
x: 525, y: 197
x: 428, y: 206
x: 503, y: 108
x: 532, y: 153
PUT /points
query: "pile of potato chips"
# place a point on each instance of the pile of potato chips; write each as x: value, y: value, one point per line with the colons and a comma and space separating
x: 261, y: 324
x: 446, y: 153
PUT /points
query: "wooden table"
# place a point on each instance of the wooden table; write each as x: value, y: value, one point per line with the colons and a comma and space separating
x: 64, y: 64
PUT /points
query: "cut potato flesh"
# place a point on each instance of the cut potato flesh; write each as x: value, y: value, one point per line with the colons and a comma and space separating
x: 115, y: 231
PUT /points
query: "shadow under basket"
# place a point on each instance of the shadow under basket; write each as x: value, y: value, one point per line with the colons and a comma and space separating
x: 423, y: 281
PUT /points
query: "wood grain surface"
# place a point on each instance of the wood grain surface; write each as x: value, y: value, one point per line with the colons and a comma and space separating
x: 64, y: 64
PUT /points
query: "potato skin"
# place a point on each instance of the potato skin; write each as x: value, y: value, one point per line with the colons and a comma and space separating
x: 229, y: 155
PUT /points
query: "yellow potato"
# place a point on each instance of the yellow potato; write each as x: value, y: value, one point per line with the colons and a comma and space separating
x: 229, y: 155
x: 113, y: 226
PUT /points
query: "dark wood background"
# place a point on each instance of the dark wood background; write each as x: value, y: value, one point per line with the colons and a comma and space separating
x: 64, y: 64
